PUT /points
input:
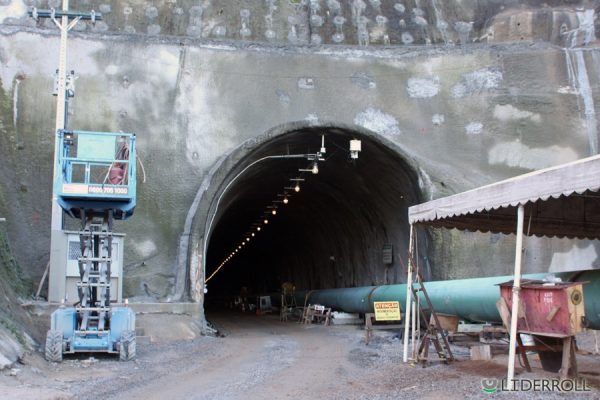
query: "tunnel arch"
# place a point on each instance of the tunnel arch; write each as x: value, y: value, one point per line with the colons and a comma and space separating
x: 366, y: 202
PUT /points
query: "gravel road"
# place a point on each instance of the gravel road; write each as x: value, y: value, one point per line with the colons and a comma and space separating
x: 262, y: 358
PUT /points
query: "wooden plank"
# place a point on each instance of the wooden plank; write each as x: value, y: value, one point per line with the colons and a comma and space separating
x: 554, y: 348
x: 370, y: 327
x: 481, y: 352
x: 387, y: 327
x: 448, y: 322
x: 569, y: 362
x: 552, y: 313
x: 504, y: 311
x: 523, y: 354
x: 566, y: 359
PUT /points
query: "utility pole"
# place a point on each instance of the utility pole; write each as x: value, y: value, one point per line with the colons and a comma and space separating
x: 68, y: 19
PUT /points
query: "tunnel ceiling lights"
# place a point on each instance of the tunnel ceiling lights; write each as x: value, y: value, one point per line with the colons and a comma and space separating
x: 286, y: 198
x: 313, y: 169
x: 355, y: 148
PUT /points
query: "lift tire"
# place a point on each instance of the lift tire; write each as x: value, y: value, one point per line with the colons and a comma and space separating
x: 54, y: 346
x: 127, y: 346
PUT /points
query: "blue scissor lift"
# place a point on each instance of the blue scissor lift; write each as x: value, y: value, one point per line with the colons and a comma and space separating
x: 95, y: 181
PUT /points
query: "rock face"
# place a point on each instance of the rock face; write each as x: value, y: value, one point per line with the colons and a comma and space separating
x: 444, y: 97
x: 316, y: 22
x: 14, y: 342
x: 10, y: 349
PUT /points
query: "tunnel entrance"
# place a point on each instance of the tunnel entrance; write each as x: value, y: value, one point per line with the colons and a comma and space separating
x: 336, y: 231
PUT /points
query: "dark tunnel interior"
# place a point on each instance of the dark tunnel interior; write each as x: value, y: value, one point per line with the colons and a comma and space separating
x: 332, y: 233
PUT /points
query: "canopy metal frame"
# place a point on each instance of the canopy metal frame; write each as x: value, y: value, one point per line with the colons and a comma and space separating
x: 562, y: 201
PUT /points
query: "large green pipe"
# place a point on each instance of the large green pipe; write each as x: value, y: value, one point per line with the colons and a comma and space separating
x: 470, y: 299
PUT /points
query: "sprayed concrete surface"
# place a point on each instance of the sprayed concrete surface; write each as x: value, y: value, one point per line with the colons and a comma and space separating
x: 460, y: 119
x: 455, y: 94
x: 445, y: 95
x: 262, y: 358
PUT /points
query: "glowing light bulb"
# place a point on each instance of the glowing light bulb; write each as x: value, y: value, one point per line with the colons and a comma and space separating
x: 266, y: 221
x: 258, y: 228
x: 285, y: 200
x: 252, y: 233
x: 274, y: 212
x: 297, y: 188
x: 315, y: 169
x: 247, y: 239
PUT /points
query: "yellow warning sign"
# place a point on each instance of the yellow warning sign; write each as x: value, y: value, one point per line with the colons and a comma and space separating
x: 387, y: 310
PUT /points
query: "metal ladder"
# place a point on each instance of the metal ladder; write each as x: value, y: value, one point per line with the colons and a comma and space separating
x: 434, y: 333
x: 93, y: 308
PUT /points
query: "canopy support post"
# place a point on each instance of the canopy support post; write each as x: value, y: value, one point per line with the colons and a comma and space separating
x: 515, y: 297
x: 407, y: 306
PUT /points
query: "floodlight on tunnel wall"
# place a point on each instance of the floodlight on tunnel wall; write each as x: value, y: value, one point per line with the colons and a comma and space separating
x: 355, y: 148
x: 314, y: 169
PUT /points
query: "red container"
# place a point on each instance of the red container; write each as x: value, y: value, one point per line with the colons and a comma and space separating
x: 549, y: 309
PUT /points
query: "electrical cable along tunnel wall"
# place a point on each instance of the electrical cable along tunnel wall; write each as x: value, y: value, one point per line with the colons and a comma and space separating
x: 276, y: 223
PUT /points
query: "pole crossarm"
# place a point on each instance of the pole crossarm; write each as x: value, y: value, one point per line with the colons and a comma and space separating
x: 68, y: 19
x: 52, y: 13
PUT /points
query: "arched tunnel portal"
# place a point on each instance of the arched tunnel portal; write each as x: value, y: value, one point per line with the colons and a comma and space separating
x: 332, y: 233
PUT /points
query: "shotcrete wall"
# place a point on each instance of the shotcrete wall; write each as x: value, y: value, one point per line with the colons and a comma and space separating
x: 518, y: 94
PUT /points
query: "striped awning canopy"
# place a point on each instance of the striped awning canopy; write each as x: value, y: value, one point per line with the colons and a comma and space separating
x: 559, y: 201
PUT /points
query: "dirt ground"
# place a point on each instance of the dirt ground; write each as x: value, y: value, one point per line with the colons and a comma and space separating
x: 262, y: 358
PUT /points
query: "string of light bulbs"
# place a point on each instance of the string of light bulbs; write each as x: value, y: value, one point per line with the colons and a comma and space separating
x: 354, y: 149
x: 271, y: 210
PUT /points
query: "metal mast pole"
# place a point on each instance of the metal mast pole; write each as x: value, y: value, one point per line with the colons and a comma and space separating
x: 514, y: 317
x: 61, y: 109
x: 409, y: 288
x: 57, y: 218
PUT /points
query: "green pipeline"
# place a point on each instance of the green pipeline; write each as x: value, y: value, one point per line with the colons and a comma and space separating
x: 470, y: 299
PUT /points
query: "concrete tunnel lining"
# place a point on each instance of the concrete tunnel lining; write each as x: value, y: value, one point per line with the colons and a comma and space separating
x: 331, y: 234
